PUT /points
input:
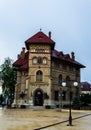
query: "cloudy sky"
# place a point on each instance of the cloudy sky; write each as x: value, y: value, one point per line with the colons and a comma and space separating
x: 68, y: 20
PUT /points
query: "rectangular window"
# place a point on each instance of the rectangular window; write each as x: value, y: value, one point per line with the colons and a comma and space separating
x: 64, y: 95
x: 71, y: 68
x: 64, y: 66
x: 39, y: 50
x: 56, y: 97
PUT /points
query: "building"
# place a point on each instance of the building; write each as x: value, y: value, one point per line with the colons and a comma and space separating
x: 85, y: 88
x: 41, y: 69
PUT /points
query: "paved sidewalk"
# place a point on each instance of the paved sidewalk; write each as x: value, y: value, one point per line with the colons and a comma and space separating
x: 30, y: 119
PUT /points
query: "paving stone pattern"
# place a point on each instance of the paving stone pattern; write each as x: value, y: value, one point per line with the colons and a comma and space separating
x: 30, y: 119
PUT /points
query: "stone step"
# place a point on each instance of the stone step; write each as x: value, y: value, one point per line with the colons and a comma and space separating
x: 38, y: 108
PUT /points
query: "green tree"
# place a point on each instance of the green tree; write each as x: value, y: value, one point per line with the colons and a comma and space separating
x: 85, y: 99
x: 1, y: 98
x: 9, y: 78
x: 76, y: 103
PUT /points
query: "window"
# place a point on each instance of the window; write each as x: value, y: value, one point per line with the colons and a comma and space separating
x: 39, y: 50
x: 56, y: 97
x: 34, y: 60
x: 44, y: 61
x: 71, y: 68
x: 68, y: 81
x: 57, y: 65
x: 60, y: 79
x: 64, y: 95
x: 64, y: 66
x: 39, y: 76
x: 39, y: 60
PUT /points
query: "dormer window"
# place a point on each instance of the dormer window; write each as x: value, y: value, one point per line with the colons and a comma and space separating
x: 40, y: 37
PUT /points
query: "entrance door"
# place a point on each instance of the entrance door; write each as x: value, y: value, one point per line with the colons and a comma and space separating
x: 38, y: 98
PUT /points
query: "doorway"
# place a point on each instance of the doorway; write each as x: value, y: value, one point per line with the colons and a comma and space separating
x: 38, y: 98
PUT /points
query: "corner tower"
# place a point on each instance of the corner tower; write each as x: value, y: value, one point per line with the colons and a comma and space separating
x: 40, y: 48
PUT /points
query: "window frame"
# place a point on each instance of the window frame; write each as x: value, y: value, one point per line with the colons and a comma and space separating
x: 39, y: 76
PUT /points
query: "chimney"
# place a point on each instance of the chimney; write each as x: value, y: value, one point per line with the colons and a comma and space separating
x: 50, y: 34
x: 72, y: 56
x: 23, y: 53
x: 18, y: 56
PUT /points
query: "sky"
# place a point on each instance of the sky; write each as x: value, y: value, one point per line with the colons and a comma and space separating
x: 68, y: 20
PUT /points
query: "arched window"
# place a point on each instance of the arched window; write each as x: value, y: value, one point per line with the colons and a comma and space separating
x: 39, y: 76
x: 60, y: 79
x: 39, y: 60
x: 44, y: 60
x: 34, y: 61
x: 68, y: 81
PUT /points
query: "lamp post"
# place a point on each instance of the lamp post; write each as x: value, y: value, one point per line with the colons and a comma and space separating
x: 60, y: 99
x: 70, y: 114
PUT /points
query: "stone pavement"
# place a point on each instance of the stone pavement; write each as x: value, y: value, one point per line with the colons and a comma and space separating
x: 30, y: 119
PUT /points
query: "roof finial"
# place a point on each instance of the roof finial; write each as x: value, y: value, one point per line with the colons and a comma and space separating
x: 40, y: 29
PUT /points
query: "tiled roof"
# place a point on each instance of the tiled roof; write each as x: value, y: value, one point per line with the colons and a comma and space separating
x: 85, y: 86
x: 40, y: 37
x: 66, y: 58
x: 22, y: 63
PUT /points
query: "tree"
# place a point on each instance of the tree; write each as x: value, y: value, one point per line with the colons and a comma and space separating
x: 9, y: 78
x: 1, y: 98
x: 76, y: 102
x: 85, y: 99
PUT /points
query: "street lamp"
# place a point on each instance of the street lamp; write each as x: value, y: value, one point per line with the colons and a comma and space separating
x: 60, y: 98
x: 75, y: 84
x: 60, y: 101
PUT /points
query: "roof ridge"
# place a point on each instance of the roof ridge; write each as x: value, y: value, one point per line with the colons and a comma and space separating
x: 39, y: 37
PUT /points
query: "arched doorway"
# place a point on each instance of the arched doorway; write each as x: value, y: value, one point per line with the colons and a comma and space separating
x: 38, y: 98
